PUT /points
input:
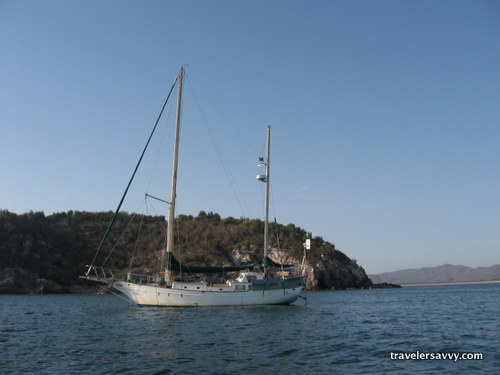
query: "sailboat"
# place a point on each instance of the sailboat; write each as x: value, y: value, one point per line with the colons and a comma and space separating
x: 265, y: 285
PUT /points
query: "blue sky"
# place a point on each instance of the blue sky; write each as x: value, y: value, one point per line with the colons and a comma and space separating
x: 385, y: 115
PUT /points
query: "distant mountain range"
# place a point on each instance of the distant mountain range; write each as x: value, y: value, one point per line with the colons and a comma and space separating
x: 445, y: 273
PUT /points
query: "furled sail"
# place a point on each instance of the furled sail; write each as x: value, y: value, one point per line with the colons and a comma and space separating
x: 172, y: 264
x: 274, y: 266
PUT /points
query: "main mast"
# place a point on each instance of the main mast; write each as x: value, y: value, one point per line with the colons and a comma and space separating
x: 171, y: 211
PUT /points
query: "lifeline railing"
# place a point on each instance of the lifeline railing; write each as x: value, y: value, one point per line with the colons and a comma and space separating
x: 99, y: 273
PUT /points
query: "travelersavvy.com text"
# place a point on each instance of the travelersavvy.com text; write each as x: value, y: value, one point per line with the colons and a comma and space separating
x: 436, y: 356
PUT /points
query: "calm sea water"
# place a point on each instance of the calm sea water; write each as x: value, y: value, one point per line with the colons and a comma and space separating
x: 340, y: 332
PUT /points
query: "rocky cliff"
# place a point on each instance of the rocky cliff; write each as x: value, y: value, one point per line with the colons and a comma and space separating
x: 331, y: 272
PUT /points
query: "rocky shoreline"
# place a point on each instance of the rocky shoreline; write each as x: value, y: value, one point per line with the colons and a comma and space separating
x: 327, y: 274
x: 21, y: 281
x: 17, y: 280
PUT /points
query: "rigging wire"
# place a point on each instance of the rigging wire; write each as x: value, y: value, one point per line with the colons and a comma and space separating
x: 119, y: 238
x: 109, y: 290
x: 177, y: 231
x: 160, y: 148
x: 225, y: 117
x: 279, y: 248
x: 136, y: 243
x: 156, y: 214
x: 131, y: 179
x: 229, y: 176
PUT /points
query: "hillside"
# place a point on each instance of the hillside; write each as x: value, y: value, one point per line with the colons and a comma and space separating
x: 445, y: 273
x: 53, y: 250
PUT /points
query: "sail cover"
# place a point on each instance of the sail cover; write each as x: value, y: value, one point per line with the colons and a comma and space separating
x: 172, y: 264
x: 277, y: 266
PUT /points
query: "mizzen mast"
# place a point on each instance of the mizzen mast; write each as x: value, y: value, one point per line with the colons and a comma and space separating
x: 265, y: 178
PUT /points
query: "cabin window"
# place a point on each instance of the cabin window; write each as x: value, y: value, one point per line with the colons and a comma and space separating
x: 240, y: 287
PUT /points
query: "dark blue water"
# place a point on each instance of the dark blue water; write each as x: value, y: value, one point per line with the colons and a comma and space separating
x: 341, y: 332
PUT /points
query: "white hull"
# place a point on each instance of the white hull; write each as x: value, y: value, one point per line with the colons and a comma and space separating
x: 151, y: 295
